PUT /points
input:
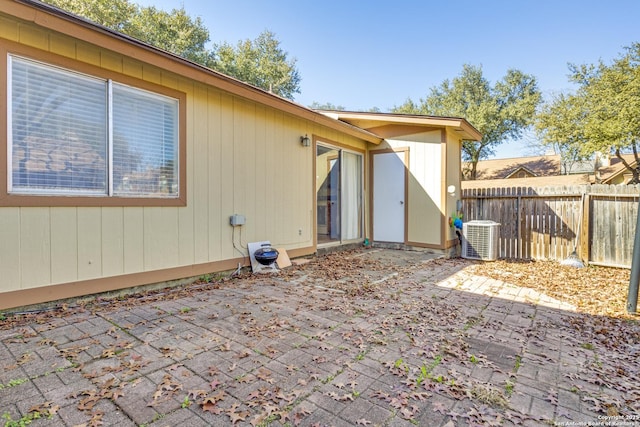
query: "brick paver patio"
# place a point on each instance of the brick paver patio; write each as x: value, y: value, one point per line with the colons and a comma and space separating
x: 413, y: 342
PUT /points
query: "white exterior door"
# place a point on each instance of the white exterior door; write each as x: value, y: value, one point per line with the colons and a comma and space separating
x: 388, y: 197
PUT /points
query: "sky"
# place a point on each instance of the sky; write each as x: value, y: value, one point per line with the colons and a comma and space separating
x: 361, y: 54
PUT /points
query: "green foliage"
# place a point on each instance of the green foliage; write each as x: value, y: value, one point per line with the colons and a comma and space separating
x: 508, y: 388
x: 603, y: 115
x: 400, y: 364
x: 326, y: 106
x: 185, y: 402
x: 114, y: 14
x: 518, y: 363
x: 174, y: 32
x: 260, y: 62
x: 500, y: 112
x: 13, y: 383
x: 558, y: 125
x: 25, y: 420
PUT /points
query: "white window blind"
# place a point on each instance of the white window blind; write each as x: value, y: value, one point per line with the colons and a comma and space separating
x: 74, y: 134
x: 145, y: 137
x: 58, y: 127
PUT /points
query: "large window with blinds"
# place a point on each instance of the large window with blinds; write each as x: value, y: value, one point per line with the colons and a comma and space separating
x: 78, y: 135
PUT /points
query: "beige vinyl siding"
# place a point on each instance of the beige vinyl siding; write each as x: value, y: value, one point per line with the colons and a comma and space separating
x: 64, y: 251
x: 10, y: 249
x: 453, y: 178
x: 133, y: 242
x: 34, y: 243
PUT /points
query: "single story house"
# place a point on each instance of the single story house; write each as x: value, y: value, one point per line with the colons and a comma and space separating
x: 125, y: 163
x: 547, y: 170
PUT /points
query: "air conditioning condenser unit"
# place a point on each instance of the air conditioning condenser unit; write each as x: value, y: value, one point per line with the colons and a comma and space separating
x: 480, y: 240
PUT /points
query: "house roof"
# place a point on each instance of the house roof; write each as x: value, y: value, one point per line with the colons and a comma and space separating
x: 63, y: 22
x: 546, y: 170
x: 389, y: 125
x: 521, y: 169
x: 533, y: 181
x: 616, y: 168
x: 504, y: 168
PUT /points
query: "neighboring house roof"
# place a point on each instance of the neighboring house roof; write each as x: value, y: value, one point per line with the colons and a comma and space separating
x: 545, y: 170
x: 58, y: 20
x: 616, y: 172
x: 507, y: 168
x: 536, y: 181
x: 522, y: 170
x: 390, y: 125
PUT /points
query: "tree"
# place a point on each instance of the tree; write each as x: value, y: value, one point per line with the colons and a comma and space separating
x: 611, y: 94
x: 558, y: 124
x: 326, y: 106
x: 114, y: 14
x: 602, y: 116
x: 175, y: 32
x: 500, y: 112
x: 260, y: 62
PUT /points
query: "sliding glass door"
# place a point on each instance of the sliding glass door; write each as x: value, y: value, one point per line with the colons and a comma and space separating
x: 338, y: 194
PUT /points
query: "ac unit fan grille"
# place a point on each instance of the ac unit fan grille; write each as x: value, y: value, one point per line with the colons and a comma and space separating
x: 480, y: 240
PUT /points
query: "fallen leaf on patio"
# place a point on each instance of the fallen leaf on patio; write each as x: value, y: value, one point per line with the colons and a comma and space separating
x: 345, y: 397
x: 196, y: 394
x: 96, y: 419
x: 242, y: 355
x: 238, y: 416
x: 46, y: 409
x: 406, y: 413
x: 211, y: 407
x: 27, y: 357
x: 439, y: 407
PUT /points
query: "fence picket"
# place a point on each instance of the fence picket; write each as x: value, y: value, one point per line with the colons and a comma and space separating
x: 543, y: 223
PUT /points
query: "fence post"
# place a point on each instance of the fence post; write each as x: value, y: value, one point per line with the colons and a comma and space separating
x: 632, y: 296
x: 519, y: 236
x: 584, y: 228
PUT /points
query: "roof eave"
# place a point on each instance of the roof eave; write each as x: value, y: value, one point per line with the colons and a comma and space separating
x: 460, y: 125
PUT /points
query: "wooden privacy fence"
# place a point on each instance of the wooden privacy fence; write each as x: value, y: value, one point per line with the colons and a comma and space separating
x: 547, y: 222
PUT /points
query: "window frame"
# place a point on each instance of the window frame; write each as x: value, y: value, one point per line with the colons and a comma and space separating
x: 71, y: 199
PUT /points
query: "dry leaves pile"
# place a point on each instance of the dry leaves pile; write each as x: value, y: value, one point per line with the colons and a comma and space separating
x: 594, y: 290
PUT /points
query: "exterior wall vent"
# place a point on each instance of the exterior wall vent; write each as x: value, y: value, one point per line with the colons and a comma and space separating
x: 480, y: 240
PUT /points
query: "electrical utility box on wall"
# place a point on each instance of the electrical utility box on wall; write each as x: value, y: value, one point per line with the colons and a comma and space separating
x: 480, y: 240
x: 236, y: 220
